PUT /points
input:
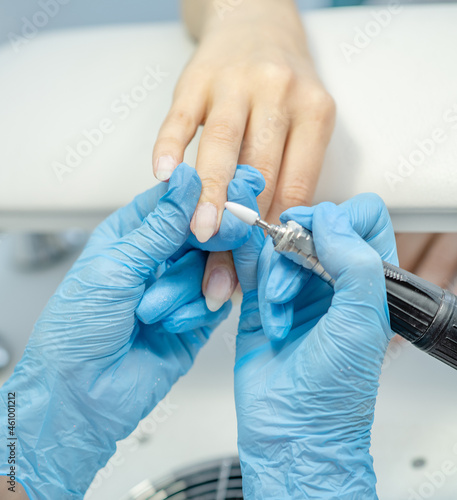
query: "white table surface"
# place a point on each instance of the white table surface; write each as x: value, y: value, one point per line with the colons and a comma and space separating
x: 395, y: 92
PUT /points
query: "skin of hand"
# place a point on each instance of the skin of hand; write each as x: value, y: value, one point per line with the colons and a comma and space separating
x: 91, y: 369
x: 430, y: 256
x: 17, y: 493
x: 305, y: 404
x: 253, y: 85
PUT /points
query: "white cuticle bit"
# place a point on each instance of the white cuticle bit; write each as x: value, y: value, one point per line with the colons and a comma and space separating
x: 243, y: 213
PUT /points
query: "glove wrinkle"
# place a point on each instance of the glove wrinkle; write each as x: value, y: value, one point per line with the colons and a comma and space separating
x: 92, y: 370
x: 306, y: 382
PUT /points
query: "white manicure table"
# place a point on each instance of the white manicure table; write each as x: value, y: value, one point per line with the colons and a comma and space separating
x: 393, y: 75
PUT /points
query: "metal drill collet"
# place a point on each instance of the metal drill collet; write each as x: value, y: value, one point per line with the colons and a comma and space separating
x: 291, y: 240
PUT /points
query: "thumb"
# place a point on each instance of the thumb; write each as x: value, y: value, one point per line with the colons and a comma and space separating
x: 163, y: 231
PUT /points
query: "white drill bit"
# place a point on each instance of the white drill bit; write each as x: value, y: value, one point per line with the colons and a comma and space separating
x: 247, y: 215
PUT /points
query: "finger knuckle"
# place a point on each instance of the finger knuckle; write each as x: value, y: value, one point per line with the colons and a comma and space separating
x: 213, y: 184
x: 223, y: 132
x: 321, y: 105
x: 267, y: 166
x: 268, y: 170
x: 295, y: 194
x: 182, y: 118
x: 279, y: 73
x: 268, y: 193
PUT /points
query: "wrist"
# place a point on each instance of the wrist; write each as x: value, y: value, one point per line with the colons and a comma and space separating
x: 312, y: 468
x: 248, y: 10
x: 275, y: 16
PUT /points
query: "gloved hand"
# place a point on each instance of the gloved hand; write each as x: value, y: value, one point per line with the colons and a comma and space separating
x: 305, y: 402
x: 185, y: 305
x: 91, y: 370
x: 278, y: 288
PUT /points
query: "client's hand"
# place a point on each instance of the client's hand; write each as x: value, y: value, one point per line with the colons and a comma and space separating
x: 430, y: 256
x: 253, y: 85
x: 306, y: 382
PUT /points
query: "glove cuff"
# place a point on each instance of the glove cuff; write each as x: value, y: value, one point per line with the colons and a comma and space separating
x: 310, y: 468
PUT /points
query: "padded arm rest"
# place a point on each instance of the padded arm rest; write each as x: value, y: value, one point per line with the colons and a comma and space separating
x: 80, y: 110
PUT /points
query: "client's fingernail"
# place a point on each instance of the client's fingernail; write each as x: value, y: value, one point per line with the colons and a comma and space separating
x: 165, y: 166
x: 204, y: 221
x: 218, y: 289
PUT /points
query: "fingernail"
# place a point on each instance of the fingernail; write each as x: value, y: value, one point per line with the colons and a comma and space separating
x: 218, y: 289
x: 165, y: 166
x: 204, y: 221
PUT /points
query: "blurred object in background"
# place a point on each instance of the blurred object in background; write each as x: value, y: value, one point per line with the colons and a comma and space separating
x: 64, y: 14
x: 35, y: 251
x: 5, y: 356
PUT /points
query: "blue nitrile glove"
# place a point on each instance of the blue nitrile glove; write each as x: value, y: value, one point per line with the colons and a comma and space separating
x: 181, y: 301
x: 91, y: 370
x: 305, y: 404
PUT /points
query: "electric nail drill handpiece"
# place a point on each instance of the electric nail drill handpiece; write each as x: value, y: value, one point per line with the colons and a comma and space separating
x: 420, y: 311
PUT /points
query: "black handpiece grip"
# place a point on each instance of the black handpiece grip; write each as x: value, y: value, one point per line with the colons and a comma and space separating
x: 422, y: 313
